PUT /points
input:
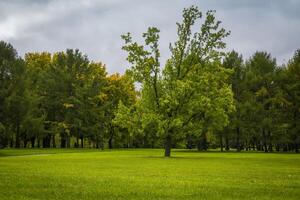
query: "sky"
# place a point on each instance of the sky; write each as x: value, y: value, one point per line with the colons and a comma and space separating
x: 95, y: 26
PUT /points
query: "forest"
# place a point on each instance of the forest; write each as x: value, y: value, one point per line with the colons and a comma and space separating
x: 203, y: 97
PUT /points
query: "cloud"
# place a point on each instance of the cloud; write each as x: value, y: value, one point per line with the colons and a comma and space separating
x: 95, y: 26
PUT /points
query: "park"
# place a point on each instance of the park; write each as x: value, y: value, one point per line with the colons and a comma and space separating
x: 156, y: 106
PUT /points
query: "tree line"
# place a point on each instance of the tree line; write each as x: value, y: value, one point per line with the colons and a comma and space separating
x: 46, y: 99
x: 202, y: 97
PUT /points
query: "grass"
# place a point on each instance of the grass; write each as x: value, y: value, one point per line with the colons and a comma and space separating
x: 145, y: 174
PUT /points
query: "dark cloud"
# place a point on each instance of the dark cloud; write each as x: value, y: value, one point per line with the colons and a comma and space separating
x: 95, y: 26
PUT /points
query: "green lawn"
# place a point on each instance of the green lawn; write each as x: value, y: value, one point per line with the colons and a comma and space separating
x: 145, y: 174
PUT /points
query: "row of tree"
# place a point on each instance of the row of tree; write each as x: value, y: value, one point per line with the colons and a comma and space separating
x: 267, y: 101
x: 202, y: 97
x: 62, y: 95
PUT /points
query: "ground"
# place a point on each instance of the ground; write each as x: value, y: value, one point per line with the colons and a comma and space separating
x: 145, y: 174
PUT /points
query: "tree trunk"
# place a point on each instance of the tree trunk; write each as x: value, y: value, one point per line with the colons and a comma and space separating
x: 62, y: 142
x: 226, y: 142
x: 189, y: 142
x: 202, y: 144
x: 264, y: 140
x: 25, y: 142
x: 297, y: 133
x: 68, y: 141
x: 221, y: 142
x: 46, y: 141
x: 12, y: 142
x: 82, y: 141
x: 238, y: 145
x: 285, y: 147
x: 270, y: 146
x: 110, y: 142
x: 18, y: 137
x: 168, y: 145
x: 39, y: 143
x: 3, y: 142
x: 53, y: 141
x: 76, y: 145
x: 97, y: 143
x: 111, y: 136
x: 277, y: 147
x: 101, y: 143
x: 32, y: 139
x: 296, y: 147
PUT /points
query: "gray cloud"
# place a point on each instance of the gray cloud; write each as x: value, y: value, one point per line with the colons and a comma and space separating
x: 95, y: 26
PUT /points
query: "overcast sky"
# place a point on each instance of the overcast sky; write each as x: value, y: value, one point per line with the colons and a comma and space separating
x: 95, y: 27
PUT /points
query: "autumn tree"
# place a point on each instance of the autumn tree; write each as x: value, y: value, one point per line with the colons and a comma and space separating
x: 119, y: 89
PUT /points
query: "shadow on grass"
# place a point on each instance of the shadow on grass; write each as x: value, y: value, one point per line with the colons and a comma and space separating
x: 175, y: 157
x: 29, y: 152
x: 230, y: 151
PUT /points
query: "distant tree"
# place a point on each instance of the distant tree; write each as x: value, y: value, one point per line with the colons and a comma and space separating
x: 260, y: 72
x: 120, y: 89
x: 71, y: 92
x: 3, y: 136
x: 234, y: 61
x: 293, y: 98
x: 8, y: 61
x: 80, y: 94
x: 38, y: 65
x: 93, y: 96
x: 14, y: 93
x: 16, y: 103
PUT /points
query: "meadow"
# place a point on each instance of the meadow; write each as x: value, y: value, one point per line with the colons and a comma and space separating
x: 146, y: 174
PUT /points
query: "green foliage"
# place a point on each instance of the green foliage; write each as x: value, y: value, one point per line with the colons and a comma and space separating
x: 201, y: 97
x: 192, y: 88
x: 61, y: 94
x: 293, y: 98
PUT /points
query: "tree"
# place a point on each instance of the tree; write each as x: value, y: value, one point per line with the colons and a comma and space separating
x: 120, y: 89
x: 260, y: 74
x: 78, y: 95
x: 93, y: 98
x: 8, y: 60
x: 13, y: 91
x: 38, y: 65
x: 234, y: 61
x: 293, y: 98
x: 192, y: 92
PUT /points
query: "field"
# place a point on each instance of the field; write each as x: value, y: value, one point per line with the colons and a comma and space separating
x: 145, y: 174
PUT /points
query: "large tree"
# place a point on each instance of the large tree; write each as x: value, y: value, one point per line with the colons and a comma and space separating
x: 191, y: 93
